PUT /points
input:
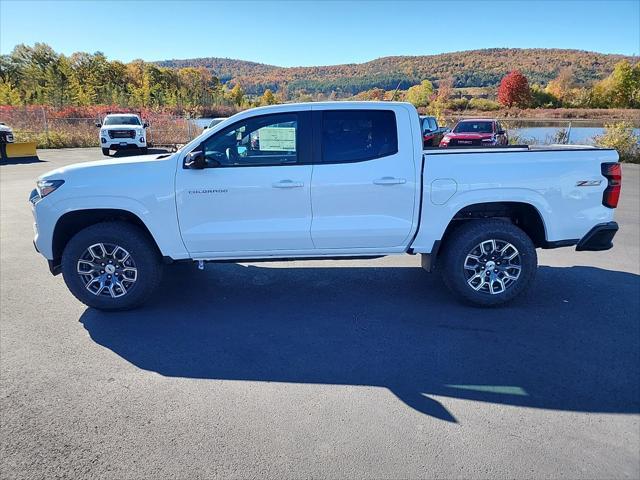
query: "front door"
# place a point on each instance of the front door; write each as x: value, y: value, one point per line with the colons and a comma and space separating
x: 254, y: 194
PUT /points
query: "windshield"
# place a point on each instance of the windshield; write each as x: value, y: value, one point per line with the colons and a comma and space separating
x: 429, y: 124
x: 474, y: 127
x: 121, y: 120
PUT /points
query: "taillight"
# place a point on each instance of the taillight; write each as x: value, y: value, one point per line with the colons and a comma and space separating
x: 611, y: 194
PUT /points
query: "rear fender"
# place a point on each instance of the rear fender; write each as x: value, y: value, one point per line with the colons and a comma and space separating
x: 438, y: 217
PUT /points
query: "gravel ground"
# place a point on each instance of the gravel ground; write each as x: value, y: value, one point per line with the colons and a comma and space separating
x: 363, y: 369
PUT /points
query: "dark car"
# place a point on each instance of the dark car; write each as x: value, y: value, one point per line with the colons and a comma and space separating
x: 476, y: 133
x: 431, y: 132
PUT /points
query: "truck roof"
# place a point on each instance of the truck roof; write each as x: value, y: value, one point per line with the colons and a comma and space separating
x: 478, y: 120
x: 337, y: 104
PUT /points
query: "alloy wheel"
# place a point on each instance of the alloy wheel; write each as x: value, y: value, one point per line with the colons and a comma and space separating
x: 492, y: 266
x: 107, y: 269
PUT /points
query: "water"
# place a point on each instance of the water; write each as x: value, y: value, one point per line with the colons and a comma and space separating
x: 201, y: 122
x: 546, y: 135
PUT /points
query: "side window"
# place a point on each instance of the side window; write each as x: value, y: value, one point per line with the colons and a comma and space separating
x: 257, y: 141
x: 358, y: 135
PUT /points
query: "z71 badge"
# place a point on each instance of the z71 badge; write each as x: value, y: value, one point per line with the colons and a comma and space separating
x: 588, y: 183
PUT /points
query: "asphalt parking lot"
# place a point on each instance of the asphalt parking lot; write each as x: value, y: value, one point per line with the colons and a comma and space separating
x: 365, y: 369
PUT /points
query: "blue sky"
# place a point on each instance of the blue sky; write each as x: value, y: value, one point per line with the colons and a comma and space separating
x: 294, y: 33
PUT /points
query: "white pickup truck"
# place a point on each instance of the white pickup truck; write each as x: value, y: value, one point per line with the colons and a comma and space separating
x: 323, y: 180
x: 122, y: 131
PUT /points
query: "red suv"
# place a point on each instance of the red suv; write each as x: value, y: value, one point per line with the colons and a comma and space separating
x: 476, y: 133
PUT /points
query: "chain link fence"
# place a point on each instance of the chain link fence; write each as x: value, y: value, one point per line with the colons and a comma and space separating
x: 35, y: 124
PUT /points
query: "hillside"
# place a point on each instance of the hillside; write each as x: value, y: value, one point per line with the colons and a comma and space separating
x: 473, y: 68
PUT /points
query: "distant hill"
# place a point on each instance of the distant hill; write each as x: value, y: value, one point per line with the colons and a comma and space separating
x: 472, y: 68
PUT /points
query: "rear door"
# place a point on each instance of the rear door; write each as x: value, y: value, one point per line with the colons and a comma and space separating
x: 363, y: 189
x: 254, y: 194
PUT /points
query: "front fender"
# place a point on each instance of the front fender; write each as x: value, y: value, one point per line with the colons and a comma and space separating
x: 161, y: 221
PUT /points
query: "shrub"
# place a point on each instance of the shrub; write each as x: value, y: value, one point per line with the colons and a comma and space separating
x: 483, y: 104
x: 458, y: 104
x: 621, y: 137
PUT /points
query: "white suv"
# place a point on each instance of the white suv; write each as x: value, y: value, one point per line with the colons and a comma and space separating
x: 120, y: 131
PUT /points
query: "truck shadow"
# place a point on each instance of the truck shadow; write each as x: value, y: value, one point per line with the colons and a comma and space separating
x: 572, y: 344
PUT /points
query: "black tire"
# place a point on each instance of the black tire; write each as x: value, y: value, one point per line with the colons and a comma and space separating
x: 105, y: 152
x: 143, y: 253
x: 144, y: 150
x: 464, y: 241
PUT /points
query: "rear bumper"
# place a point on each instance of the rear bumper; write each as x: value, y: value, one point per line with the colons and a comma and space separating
x: 598, y: 238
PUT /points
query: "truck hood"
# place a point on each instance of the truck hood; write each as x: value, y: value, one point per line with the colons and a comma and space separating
x: 469, y: 136
x: 99, y: 167
x: 119, y: 127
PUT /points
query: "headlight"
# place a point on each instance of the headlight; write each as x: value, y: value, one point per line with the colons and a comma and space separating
x: 45, y: 187
x: 139, y: 131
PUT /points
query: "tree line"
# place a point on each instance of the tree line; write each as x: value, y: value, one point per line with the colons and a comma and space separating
x: 38, y: 75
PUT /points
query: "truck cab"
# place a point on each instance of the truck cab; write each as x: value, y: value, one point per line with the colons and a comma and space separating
x: 122, y: 131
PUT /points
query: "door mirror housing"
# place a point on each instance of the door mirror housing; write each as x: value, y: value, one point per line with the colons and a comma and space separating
x: 500, y: 132
x: 195, y: 160
x: 98, y: 124
x: 145, y: 125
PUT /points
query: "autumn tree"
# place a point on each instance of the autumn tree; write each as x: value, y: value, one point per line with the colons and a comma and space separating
x: 267, y: 98
x: 621, y: 89
x: 420, y: 95
x: 514, y: 90
x: 237, y: 94
x: 377, y: 94
x: 561, y: 87
x: 439, y: 103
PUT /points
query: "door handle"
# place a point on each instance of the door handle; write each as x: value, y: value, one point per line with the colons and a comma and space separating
x: 287, y: 184
x: 389, y: 181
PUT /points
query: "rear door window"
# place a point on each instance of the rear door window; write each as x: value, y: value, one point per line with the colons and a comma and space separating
x: 358, y: 135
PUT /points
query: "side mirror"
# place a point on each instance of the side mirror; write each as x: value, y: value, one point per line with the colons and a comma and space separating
x: 195, y: 160
x: 500, y: 132
x: 145, y: 125
x: 205, y: 127
x: 98, y: 124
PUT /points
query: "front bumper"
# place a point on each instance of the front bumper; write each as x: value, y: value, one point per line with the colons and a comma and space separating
x: 123, y: 146
x: 139, y: 141
x: 598, y: 238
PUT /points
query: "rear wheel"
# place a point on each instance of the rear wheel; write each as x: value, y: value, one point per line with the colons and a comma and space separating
x: 488, y: 262
x: 111, y: 266
x: 105, y: 152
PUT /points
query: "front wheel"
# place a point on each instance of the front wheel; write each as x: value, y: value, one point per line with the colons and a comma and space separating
x: 105, y: 152
x: 488, y: 262
x: 144, y: 150
x: 111, y: 266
